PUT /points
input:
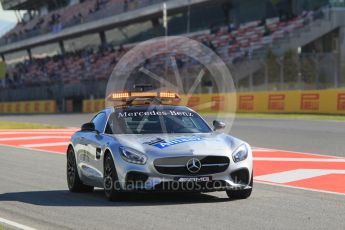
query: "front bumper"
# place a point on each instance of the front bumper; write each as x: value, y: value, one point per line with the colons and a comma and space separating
x: 146, y: 177
x: 164, y: 183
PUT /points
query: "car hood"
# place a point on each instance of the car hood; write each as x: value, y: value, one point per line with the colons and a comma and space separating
x: 180, y: 144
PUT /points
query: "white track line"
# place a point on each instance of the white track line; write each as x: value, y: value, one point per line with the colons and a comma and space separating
x: 38, y: 130
x: 300, y: 188
x: 45, y: 145
x: 296, y: 175
x: 299, y: 159
x: 42, y: 132
x: 31, y: 149
x: 16, y: 225
x: 288, y: 151
x: 34, y: 138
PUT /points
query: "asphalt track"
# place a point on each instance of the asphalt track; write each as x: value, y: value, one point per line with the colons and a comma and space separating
x: 33, y: 189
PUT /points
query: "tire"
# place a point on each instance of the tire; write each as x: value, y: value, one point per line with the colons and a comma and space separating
x: 112, y: 188
x: 240, y: 194
x: 73, y: 180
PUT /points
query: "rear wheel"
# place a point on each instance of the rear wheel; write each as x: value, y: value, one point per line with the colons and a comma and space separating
x: 73, y: 179
x: 111, y: 182
x: 240, y: 194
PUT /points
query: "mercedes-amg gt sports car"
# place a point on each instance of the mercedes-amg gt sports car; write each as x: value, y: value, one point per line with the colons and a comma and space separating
x: 149, y: 144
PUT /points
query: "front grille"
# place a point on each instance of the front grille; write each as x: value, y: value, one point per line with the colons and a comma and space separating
x: 178, y: 165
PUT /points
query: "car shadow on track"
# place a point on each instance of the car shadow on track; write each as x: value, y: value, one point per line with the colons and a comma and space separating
x: 97, y: 198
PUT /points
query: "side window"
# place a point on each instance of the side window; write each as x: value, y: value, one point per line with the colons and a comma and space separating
x: 110, y: 125
x: 99, y: 120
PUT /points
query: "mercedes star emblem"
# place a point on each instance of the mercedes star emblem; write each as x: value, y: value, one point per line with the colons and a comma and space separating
x: 193, y: 165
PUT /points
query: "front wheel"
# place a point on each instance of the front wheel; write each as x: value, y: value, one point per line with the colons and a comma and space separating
x: 73, y: 179
x: 240, y: 194
x: 111, y: 182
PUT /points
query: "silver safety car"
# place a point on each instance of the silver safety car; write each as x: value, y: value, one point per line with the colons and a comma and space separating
x: 147, y: 143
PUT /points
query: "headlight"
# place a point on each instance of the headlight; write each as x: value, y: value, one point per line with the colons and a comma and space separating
x: 240, y: 154
x: 132, y: 156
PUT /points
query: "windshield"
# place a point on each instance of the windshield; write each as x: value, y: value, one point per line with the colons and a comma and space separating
x: 145, y: 121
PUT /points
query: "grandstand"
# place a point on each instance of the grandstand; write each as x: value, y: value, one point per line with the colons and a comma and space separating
x: 67, y: 50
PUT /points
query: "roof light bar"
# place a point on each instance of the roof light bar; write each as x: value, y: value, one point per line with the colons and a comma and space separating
x: 144, y: 94
x: 167, y: 95
x: 119, y: 95
x: 129, y: 95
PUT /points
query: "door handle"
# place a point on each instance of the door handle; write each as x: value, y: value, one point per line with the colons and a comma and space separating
x: 98, y: 153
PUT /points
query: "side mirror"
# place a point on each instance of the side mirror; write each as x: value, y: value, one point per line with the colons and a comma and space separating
x: 217, y: 125
x: 88, y: 127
